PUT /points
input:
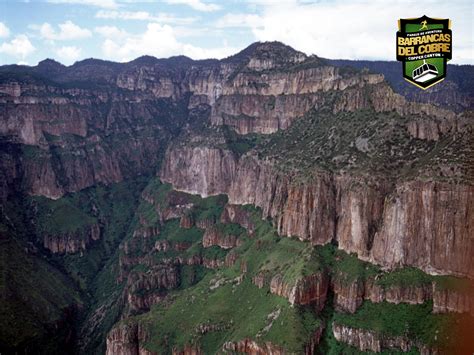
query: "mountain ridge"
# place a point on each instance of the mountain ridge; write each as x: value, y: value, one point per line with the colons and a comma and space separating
x: 161, y: 188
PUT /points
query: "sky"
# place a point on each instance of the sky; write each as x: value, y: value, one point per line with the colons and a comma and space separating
x: 122, y: 30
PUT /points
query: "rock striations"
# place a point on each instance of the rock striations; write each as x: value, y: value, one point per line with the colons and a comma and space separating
x: 397, y: 193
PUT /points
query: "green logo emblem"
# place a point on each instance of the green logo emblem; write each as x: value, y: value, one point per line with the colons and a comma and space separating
x: 424, y: 45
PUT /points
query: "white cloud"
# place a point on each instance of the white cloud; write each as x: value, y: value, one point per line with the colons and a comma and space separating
x: 144, y: 16
x: 19, y: 47
x: 196, y: 5
x: 123, y: 15
x: 158, y: 40
x: 67, y: 31
x: 111, y: 32
x: 351, y: 30
x: 68, y: 54
x: 106, y: 4
x: 239, y: 20
x: 4, y: 30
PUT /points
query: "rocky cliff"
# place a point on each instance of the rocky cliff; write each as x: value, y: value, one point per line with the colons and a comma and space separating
x: 422, y: 224
x: 85, y: 124
x: 366, y: 340
x: 236, y: 214
x: 451, y: 93
x: 349, y: 296
x: 72, y: 242
x: 214, y: 236
x: 127, y: 339
x: 330, y: 157
x: 311, y: 289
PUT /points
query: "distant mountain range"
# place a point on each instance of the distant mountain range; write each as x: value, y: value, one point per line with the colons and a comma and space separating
x: 455, y: 92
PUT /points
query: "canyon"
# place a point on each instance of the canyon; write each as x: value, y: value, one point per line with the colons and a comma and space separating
x: 261, y: 204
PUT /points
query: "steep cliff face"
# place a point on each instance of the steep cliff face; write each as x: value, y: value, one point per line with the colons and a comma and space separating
x: 452, y: 300
x: 349, y: 296
x: 72, y: 242
x: 331, y: 156
x: 84, y: 124
x: 144, y: 289
x: 365, y: 169
x: 249, y: 346
x: 76, y: 135
x: 214, y: 236
x: 428, y: 225
x: 208, y: 171
x: 422, y: 224
x: 304, y: 211
x: 265, y: 103
x: 311, y: 289
x: 366, y: 340
x: 451, y: 93
x: 237, y: 214
x: 161, y: 277
x: 127, y: 339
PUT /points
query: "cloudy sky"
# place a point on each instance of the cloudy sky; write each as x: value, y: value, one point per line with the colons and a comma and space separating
x: 121, y: 30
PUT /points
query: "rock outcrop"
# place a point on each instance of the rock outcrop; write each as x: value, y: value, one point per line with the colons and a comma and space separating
x: 248, y: 346
x: 144, y: 289
x: 63, y: 129
x: 208, y: 171
x: 215, y: 236
x: 127, y: 339
x: 159, y: 277
x: 449, y: 300
x: 237, y: 214
x: 367, y: 340
x: 305, y: 290
x: 422, y: 224
x: 348, y: 296
x: 72, y: 242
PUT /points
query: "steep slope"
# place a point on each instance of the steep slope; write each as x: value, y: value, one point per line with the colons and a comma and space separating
x: 365, y: 182
x: 38, y: 301
x: 361, y: 199
x: 265, y: 295
x: 456, y: 92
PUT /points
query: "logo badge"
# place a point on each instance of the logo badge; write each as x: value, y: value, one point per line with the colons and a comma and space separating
x: 424, y: 45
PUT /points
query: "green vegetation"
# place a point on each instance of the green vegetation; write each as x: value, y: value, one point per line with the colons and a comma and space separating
x: 115, y: 206
x: 413, y: 321
x: 32, y: 152
x: 218, y: 298
x: 230, y: 229
x: 191, y: 274
x: 348, y: 268
x: 209, y: 208
x: 366, y: 143
x: 413, y: 277
x: 330, y: 346
x: 159, y: 191
x: 35, y: 296
x: 61, y: 216
x: 45, y: 292
x: 405, y: 277
x: 173, y: 233
x: 233, y: 307
x: 242, y: 309
x: 214, y: 253
x: 241, y: 144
